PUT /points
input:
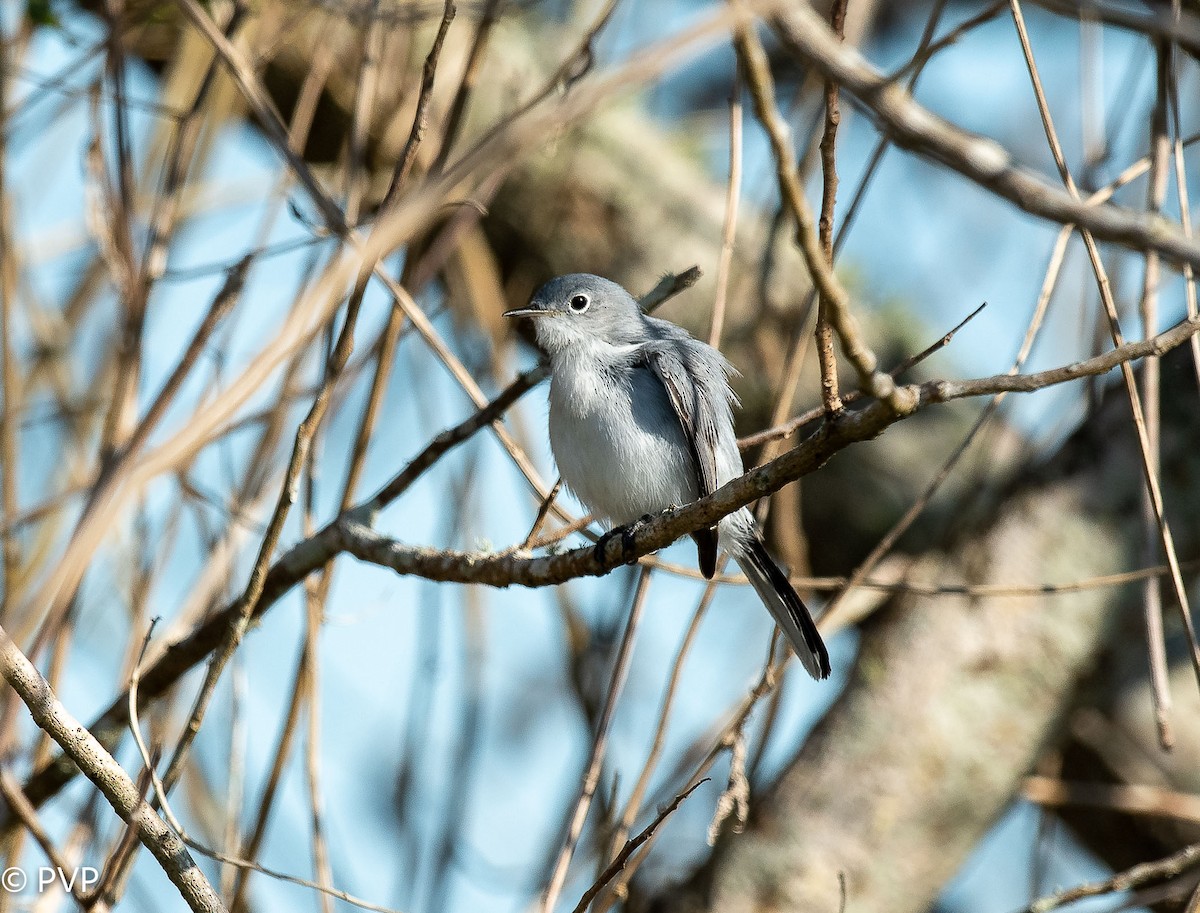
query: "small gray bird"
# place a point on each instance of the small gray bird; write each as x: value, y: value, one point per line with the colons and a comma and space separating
x: 641, y: 420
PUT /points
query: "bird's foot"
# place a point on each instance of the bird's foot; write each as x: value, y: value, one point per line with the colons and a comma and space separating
x: 601, y: 545
x: 628, y: 534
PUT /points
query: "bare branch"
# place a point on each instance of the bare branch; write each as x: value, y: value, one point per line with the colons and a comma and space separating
x: 1172, y: 866
x: 102, y: 769
x: 980, y: 159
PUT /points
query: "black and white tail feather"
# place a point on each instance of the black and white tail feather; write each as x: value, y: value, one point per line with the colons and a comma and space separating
x: 788, y: 610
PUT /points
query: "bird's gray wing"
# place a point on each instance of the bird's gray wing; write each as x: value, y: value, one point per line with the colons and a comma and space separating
x: 691, y: 400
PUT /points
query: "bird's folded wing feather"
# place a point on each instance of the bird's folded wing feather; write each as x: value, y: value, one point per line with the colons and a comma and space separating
x: 690, y: 399
x: 687, y: 397
x: 694, y: 413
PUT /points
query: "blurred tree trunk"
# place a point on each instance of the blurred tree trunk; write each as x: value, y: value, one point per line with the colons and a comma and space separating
x: 953, y: 698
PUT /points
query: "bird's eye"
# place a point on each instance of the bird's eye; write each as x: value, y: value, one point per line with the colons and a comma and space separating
x: 579, y: 304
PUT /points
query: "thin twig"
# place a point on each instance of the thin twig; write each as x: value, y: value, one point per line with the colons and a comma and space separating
x: 1110, y: 311
x: 244, y: 865
x: 591, y: 773
x: 929, y: 48
x: 360, y: 120
x: 884, y: 546
x: 631, y: 846
x: 288, y: 729
x: 1146, y: 873
x: 103, y: 770
x: 114, y: 466
x: 762, y: 91
x: 315, y: 594
x: 1126, y: 798
x: 824, y: 331
x: 732, y: 729
x: 733, y: 806
x: 543, y: 512
x: 983, y: 161
x: 169, y: 201
x: 421, y: 115
x: 1185, y: 212
x: 466, y: 86
x: 264, y: 110
x: 733, y: 193
x: 792, y: 425
x: 10, y: 382
x: 637, y: 795
x: 1163, y: 25
x: 258, y: 574
x: 23, y: 809
x: 1160, y: 686
x: 891, y: 586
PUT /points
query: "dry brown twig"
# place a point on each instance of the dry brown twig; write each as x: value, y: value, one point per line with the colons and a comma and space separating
x: 591, y: 773
x: 243, y: 865
x: 981, y: 160
x: 631, y: 846
x: 762, y: 90
x: 1151, y: 594
x: 1170, y: 867
x: 829, y: 187
x: 733, y: 195
x: 1146, y: 443
x: 108, y: 776
x: 658, y: 743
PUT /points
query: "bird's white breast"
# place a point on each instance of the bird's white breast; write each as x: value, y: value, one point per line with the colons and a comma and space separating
x: 620, y: 466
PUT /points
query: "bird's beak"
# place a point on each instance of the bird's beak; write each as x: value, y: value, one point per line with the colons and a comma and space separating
x: 531, y: 310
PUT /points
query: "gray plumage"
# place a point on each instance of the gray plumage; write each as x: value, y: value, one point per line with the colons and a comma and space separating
x: 641, y: 420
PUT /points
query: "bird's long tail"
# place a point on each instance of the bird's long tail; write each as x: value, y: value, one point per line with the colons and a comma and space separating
x: 777, y: 595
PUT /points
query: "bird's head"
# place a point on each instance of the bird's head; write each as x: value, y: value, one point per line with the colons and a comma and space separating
x: 581, y: 309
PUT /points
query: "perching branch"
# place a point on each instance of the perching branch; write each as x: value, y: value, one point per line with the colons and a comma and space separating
x: 350, y: 534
